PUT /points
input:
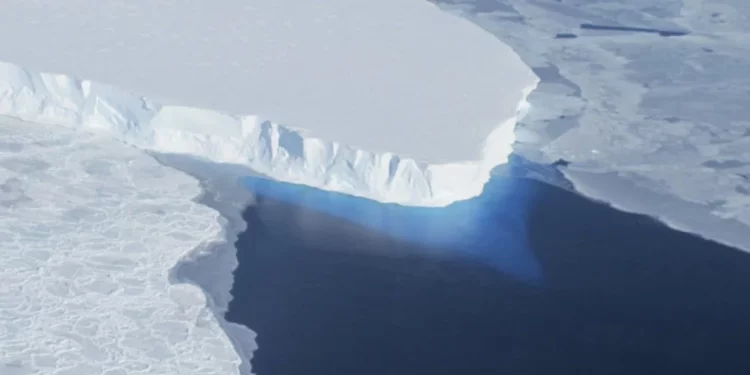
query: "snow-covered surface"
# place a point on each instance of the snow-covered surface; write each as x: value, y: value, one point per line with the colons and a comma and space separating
x: 658, y: 125
x: 399, y: 101
x: 212, y: 267
x: 89, y: 230
x: 654, y: 125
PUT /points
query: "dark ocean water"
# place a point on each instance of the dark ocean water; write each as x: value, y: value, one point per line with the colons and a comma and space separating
x: 526, y: 279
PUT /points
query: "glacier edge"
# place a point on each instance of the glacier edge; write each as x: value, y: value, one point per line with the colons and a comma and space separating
x: 278, y: 151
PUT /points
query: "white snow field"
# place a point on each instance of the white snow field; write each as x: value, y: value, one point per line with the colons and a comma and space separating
x: 651, y: 124
x: 392, y: 100
x: 89, y: 231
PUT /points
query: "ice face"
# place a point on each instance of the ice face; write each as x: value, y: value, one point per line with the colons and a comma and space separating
x: 392, y: 100
x: 283, y: 153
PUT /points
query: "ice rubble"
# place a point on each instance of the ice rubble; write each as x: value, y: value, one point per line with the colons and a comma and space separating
x: 654, y: 125
x: 399, y: 101
x: 89, y: 231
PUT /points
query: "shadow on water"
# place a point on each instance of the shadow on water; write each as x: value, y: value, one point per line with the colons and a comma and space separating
x: 473, y: 228
x: 621, y: 294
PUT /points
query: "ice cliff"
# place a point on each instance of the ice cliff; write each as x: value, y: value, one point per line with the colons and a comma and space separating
x: 281, y: 152
x: 392, y: 100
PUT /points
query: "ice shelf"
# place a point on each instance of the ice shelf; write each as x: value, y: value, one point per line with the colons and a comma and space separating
x: 396, y: 101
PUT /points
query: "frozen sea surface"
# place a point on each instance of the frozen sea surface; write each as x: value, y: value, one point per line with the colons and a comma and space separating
x: 652, y: 122
x: 645, y: 100
x: 90, y: 230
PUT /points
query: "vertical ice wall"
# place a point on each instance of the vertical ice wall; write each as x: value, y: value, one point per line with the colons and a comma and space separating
x: 392, y: 100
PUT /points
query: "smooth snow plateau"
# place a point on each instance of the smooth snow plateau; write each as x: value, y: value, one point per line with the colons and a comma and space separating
x: 399, y: 101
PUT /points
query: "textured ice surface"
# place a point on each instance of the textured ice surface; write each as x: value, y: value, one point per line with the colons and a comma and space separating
x: 653, y: 124
x: 89, y: 230
x: 399, y: 101
x: 212, y: 267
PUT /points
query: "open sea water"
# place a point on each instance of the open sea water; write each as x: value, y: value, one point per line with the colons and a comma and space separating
x: 525, y: 279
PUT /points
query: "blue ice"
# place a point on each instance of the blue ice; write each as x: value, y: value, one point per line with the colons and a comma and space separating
x: 490, y: 228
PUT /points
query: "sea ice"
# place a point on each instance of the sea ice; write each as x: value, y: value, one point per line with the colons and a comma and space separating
x: 655, y: 124
x: 89, y: 231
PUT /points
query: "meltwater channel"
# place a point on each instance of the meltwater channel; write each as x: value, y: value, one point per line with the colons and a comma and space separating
x: 525, y: 279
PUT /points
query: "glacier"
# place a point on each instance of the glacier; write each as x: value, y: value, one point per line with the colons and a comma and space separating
x: 278, y: 151
x: 398, y: 102
x: 243, y: 82
x: 391, y: 101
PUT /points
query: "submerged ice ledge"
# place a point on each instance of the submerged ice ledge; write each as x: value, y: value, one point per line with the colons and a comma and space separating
x: 280, y: 152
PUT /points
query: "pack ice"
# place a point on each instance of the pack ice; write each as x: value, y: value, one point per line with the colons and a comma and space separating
x: 391, y: 100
